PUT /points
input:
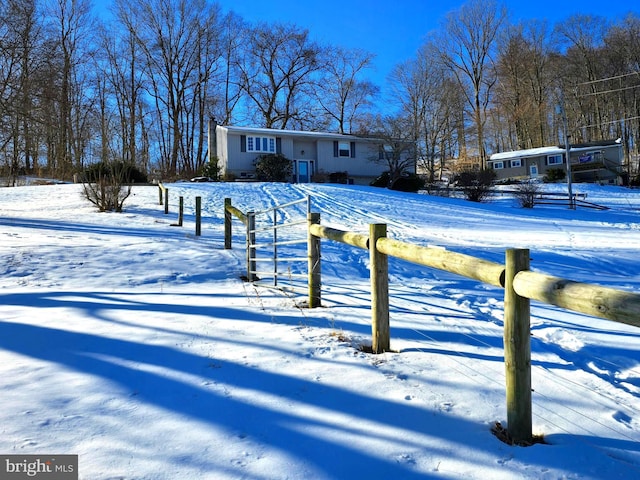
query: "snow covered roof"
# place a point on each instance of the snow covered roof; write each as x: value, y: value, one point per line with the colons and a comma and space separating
x: 555, y: 150
x: 292, y: 133
x: 531, y: 152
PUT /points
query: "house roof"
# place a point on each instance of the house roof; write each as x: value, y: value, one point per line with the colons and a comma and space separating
x: 555, y: 150
x: 293, y: 133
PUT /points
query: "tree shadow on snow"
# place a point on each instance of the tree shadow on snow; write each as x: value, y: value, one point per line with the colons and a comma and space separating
x: 117, y: 360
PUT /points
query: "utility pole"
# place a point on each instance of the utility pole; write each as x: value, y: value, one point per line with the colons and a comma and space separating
x: 567, y: 147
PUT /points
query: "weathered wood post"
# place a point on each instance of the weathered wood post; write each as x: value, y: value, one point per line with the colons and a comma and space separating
x: 198, y: 216
x: 275, y: 246
x: 227, y: 224
x: 517, y: 350
x: 380, y: 333
x: 166, y: 201
x: 251, y: 250
x: 181, y: 211
x: 314, y: 267
x: 160, y: 187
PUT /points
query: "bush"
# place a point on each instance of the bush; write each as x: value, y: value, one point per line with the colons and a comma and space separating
x: 273, y: 167
x: 211, y: 169
x: 320, y: 177
x: 125, y: 171
x: 339, y: 177
x: 554, y: 175
x: 228, y: 177
x: 526, y: 194
x: 108, y: 184
x: 408, y: 182
x: 476, y: 184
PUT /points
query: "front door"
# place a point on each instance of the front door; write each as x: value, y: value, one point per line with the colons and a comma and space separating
x: 533, y: 170
x: 303, y: 171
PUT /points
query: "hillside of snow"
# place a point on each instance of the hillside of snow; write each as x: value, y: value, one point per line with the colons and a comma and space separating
x: 136, y: 345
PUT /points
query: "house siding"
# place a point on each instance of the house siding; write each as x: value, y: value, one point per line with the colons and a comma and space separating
x: 609, y: 153
x: 362, y: 166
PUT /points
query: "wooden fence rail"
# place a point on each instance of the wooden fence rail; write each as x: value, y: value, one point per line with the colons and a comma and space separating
x: 608, y: 303
x: 442, y: 259
x: 520, y: 286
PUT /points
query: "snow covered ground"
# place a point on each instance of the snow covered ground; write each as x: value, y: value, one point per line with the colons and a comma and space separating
x: 135, y: 344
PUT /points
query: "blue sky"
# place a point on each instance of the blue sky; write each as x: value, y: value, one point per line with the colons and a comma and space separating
x: 394, y: 30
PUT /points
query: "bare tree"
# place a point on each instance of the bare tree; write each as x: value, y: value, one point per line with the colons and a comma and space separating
x: 121, y: 67
x: 623, y: 53
x: 582, y: 37
x: 276, y: 74
x: 21, y: 40
x: 429, y: 100
x: 71, y: 23
x: 9, y: 93
x: 525, y: 82
x: 397, y: 147
x: 467, y: 48
x: 341, y: 93
x: 179, y: 39
x: 234, y: 32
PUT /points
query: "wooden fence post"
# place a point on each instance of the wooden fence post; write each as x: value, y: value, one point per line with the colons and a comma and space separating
x: 251, y: 250
x: 160, y: 194
x: 198, y: 216
x: 181, y: 211
x: 517, y: 350
x: 227, y: 224
x: 379, y: 291
x: 166, y: 201
x: 314, y: 268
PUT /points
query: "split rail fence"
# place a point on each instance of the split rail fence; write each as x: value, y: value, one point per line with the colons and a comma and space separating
x: 519, y: 283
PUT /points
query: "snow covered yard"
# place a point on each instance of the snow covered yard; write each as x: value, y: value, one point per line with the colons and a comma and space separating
x: 136, y: 345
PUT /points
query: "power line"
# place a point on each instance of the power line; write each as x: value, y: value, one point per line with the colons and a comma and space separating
x: 609, y: 91
x: 608, y: 78
x: 612, y: 121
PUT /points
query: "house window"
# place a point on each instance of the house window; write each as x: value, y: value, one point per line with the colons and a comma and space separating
x: 554, y: 160
x: 385, y: 152
x: 516, y: 163
x: 344, y: 149
x: 498, y: 165
x: 261, y: 144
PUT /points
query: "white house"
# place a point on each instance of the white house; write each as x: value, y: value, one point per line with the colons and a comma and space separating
x: 311, y: 153
x: 590, y: 162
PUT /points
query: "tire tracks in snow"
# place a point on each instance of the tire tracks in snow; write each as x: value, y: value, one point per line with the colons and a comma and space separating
x: 341, y: 211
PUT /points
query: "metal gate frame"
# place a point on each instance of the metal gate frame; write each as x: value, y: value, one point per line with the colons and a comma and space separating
x: 273, y: 224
